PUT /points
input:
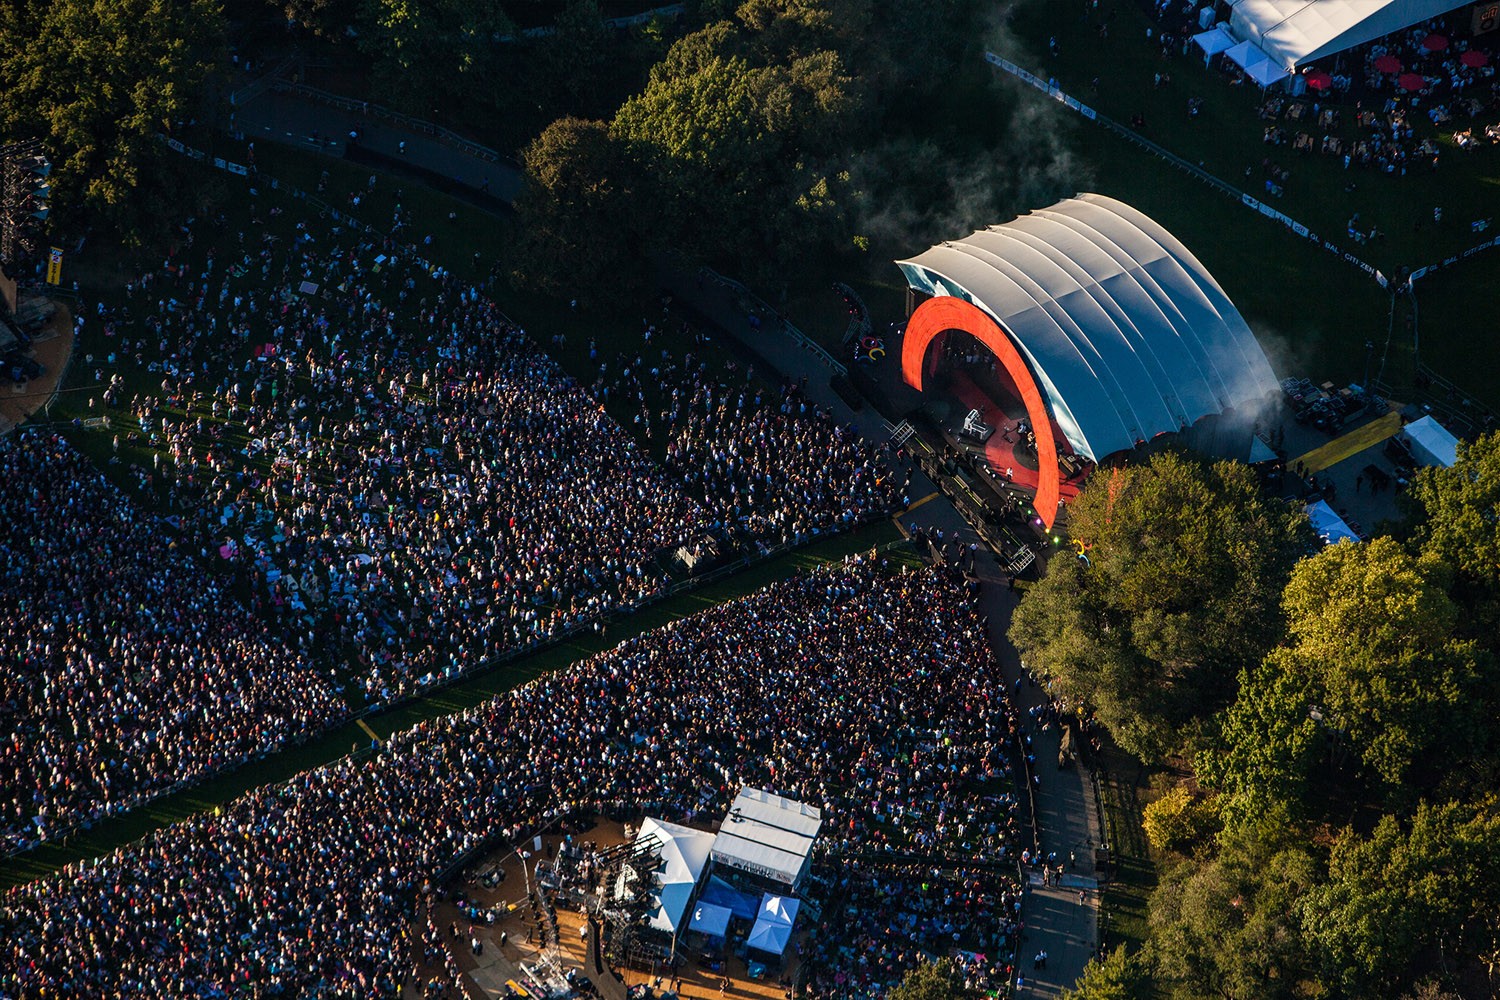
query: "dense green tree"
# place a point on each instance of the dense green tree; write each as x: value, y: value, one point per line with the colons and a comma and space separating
x: 583, y: 224
x: 98, y: 80
x: 1373, y: 669
x: 579, y: 61
x: 1186, y: 562
x: 332, y: 19
x: 1374, y: 638
x: 1229, y: 926
x: 429, y: 51
x: 1266, y: 745
x: 731, y: 147
x: 1180, y: 820
x: 1408, y: 898
x: 1459, y: 522
x: 928, y: 981
x: 1117, y: 976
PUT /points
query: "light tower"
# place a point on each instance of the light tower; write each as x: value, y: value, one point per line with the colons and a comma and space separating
x: 24, y: 202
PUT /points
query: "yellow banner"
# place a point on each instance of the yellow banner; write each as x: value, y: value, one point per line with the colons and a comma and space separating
x: 54, y: 266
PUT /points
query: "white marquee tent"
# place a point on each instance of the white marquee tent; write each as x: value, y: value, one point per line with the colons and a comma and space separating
x: 1430, y: 442
x: 1292, y: 33
x: 684, y: 855
x: 768, y: 836
x: 773, y: 927
x: 1213, y: 41
x: 1257, y: 65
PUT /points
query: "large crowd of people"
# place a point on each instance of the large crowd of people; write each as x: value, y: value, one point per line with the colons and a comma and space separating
x: 773, y: 468
x: 407, y: 479
x: 369, y: 481
x: 128, y: 668
x: 863, y: 689
x: 900, y: 914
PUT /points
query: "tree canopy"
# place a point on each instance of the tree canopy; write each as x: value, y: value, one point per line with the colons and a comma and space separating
x: 584, y: 227
x: 1458, y: 521
x: 928, y: 981
x: 1228, y: 926
x: 1370, y: 704
x: 1117, y: 976
x: 1409, y: 895
x: 1373, y: 663
x: 98, y: 80
x: 1184, y: 567
x: 448, y: 45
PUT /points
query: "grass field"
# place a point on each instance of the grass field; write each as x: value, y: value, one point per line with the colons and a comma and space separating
x: 1312, y: 311
x: 1123, y: 917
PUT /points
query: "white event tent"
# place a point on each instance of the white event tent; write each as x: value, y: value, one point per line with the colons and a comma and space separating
x: 1257, y: 65
x: 684, y: 855
x: 1213, y: 41
x: 768, y: 836
x: 1292, y: 33
x: 1430, y: 443
x: 773, y: 927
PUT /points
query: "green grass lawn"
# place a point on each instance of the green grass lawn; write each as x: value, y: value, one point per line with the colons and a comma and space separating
x: 1227, y: 137
x: 1312, y: 312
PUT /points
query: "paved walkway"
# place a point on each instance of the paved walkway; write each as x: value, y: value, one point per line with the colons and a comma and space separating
x: 297, y: 121
x: 1056, y: 921
x: 52, y: 349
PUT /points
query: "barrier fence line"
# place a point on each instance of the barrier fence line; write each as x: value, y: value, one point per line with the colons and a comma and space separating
x: 785, y: 325
x: 411, y: 124
x: 1050, y: 88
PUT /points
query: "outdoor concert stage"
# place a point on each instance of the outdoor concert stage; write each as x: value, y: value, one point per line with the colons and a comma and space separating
x: 1012, y: 461
x: 1107, y: 330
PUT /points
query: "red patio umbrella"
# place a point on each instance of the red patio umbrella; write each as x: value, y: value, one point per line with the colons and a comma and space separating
x: 1474, y: 58
x: 1411, y: 81
x: 1319, y: 80
x: 1387, y: 64
x: 1435, y: 43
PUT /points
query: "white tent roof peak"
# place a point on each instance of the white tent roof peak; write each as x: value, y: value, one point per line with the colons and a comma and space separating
x: 1295, y: 32
x: 768, y: 835
x: 773, y: 925
x: 684, y: 855
x: 1430, y: 442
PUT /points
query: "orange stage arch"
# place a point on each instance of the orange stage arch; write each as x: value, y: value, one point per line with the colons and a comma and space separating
x: 931, y: 322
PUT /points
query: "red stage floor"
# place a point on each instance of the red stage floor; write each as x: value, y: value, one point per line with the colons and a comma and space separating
x: 999, y: 450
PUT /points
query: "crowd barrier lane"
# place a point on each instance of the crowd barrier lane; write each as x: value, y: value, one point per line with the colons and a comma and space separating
x: 418, y: 126
x: 787, y: 327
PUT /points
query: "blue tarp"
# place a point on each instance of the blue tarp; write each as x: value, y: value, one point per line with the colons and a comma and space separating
x: 721, y: 893
x: 710, y: 919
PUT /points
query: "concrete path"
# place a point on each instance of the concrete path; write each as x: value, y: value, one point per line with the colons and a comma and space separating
x: 296, y: 121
